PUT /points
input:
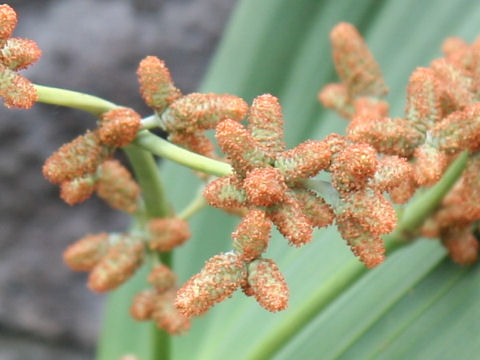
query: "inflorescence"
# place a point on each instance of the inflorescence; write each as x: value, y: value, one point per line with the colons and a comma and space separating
x: 382, y: 160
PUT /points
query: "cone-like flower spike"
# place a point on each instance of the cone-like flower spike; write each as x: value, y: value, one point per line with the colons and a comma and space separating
x: 87, y: 252
x: 162, y: 278
x: 143, y: 305
x: 221, y: 276
x: 78, y: 190
x: 167, y: 233
x: 167, y: 317
x: 250, y: 239
x: 118, y: 127
x: 117, y: 187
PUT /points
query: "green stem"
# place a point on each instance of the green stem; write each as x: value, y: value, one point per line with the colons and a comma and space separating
x: 73, y: 99
x: 163, y: 148
x: 156, y: 205
x: 150, y: 122
x: 414, y: 215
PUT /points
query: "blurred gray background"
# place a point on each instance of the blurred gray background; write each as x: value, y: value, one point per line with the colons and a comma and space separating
x: 46, y: 311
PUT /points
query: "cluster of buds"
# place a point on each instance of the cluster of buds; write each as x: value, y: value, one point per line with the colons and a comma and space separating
x: 185, y: 117
x: 110, y: 258
x: 83, y: 166
x: 442, y: 118
x: 15, y: 54
x: 270, y: 184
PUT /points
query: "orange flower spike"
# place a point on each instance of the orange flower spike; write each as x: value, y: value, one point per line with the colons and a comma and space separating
x: 197, y: 142
x: 143, y: 305
x: 335, y: 97
x: 225, y: 193
x: 423, y: 107
x: 459, y: 131
x: 167, y: 233
x: 371, y: 107
x: 118, y: 265
x: 16, y: 91
x: 250, y: 239
x: 404, y: 191
x: 266, y: 123
x: 78, y: 190
x: 75, y: 159
x: 388, y: 136
x: 167, y: 317
x: 18, y: 54
x: 267, y: 284
x: 352, y: 167
x: 8, y: 21
x: 354, y: 62
x: 118, y: 127
x: 304, y: 161
x: 117, y: 187
x: 290, y: 220
x: 429, y: 165
x: 314, y: 207
x: 265, y: 186
x: 391, y: 172
x: 458, y: 84
x: 371, y: 210
x: 156, y: 85
x: 241, y: 148
x: 162, y: 278
x: 197, y: 111
x: 221, y: 276
x: 87, y: 252
x: 462, y: 245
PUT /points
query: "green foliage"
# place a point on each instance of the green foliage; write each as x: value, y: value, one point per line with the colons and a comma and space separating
x: 417, y: 305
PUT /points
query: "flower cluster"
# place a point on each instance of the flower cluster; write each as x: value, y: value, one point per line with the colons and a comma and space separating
x: 185, y: 117
x: 442, y: 118
x: 15, y: 54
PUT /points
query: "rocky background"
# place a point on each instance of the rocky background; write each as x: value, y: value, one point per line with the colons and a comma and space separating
x: 94, y: 46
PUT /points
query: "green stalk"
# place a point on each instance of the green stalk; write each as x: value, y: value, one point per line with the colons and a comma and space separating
x: 163, y: 148
x: 153, y: 192
x: 414, y: 215
x: 73, y: 99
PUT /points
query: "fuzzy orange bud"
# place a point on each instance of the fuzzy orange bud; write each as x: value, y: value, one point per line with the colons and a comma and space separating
x: 167, y: 233
x: 352, y: 167
x: 75, y: 159
x: 354, y: 62
x: 267, y: 284
x: 266, y: 123
x: 167, y: 317
x: 462, y: 245
x: 8, y: 21
x: 143, y: 305
x: 19, y: 54
x: 156, y: 85
x: 404, y: 191
x: 429, y: 165
x: 371, y: 107
x: 78, y: 190
x: 16, y: 91
x: 162, y: 278
x: 225, y: 193
x: 118, y: 127
x: 423, y: 99
x: 87, y: 252
x: 292, y: 223
x: 460, y: 130
x: 314, y: 207
x: 241, y: 148
x: 117, y: 187
x: 391, y: 172
x: 304, y: 161
x: 265, y: 186
x: 250, y: 239
x: 221, y: 276
x: 335, y: 97
x: 388, y: 136
x: 198, y: 111
x: 118, y: 265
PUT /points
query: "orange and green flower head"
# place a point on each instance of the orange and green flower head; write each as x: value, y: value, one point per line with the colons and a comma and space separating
x: 15, y: 54
x: 162, y: 278
x: 86, y: 253
x: 167, y: 233
x: 118, y: 127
